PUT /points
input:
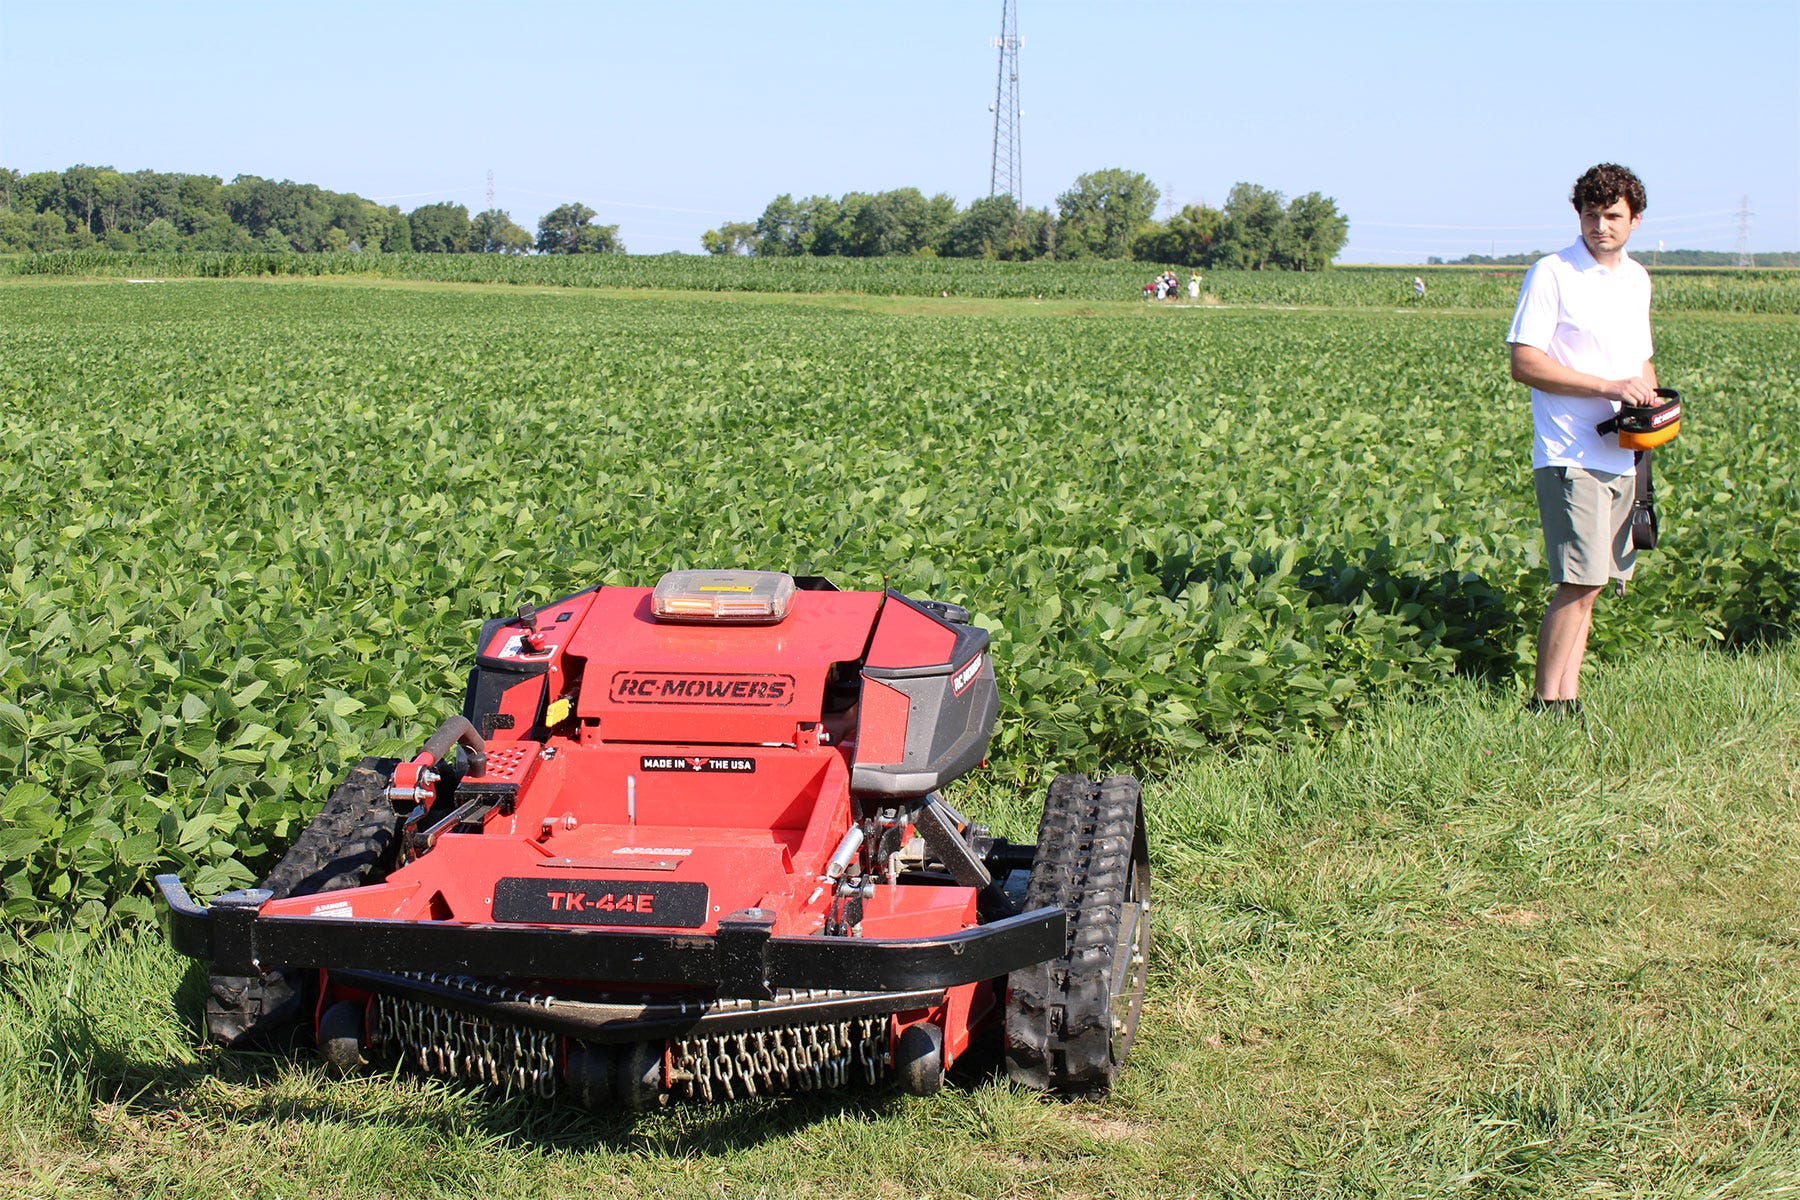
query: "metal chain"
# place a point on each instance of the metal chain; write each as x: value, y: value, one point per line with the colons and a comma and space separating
x: 725, y: 1066
x: 439, y: 1041
x: 874, y: 1054
x: 728, y: 1066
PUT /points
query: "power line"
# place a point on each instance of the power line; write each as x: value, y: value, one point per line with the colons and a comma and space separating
x: 1461, y: 228
x: 571, y: 194
x: 693, y: 212
x: 415, y: 195
x: 1523, y: 228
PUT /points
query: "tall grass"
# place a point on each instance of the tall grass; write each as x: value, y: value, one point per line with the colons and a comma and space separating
x: 1454, y: 951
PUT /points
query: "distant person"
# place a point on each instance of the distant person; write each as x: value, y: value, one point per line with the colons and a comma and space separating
x: 1418, y: 288
x: 1581, y: 341
x: 1194, y: 286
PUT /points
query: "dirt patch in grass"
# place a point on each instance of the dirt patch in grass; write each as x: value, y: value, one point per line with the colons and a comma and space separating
x: 1514, y: 916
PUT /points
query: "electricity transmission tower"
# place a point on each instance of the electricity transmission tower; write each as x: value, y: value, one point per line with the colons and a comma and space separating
x: 1745, y: 258
x: 1003, y: 179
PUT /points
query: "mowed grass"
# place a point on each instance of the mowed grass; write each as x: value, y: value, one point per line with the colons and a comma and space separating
x: 1451, y: 951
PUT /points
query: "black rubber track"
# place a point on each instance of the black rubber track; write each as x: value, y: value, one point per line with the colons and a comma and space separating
x: 349, y: 843
x: 1069, y: 1021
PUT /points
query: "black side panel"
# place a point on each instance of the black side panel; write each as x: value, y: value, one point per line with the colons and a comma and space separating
x: 946, y: 735
x: 952, y: 710
x: 493, y: 626
x: 488, y: 687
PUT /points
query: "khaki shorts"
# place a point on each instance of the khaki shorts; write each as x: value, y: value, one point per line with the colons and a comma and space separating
x: 1587, y: 524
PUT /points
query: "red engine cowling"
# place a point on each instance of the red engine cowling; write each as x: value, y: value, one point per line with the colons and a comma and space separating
x: 906, y: 685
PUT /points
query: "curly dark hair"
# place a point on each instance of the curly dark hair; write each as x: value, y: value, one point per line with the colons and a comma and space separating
x: 1606, y: 183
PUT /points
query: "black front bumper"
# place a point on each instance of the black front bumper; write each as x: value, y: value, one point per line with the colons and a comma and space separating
x: 741, y: 960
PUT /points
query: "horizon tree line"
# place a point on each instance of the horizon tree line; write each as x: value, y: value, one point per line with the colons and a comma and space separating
x: 1107, y: 214
x: 155, y: 211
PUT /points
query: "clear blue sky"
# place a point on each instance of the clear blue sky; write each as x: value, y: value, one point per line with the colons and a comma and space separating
x: 1443, y: 127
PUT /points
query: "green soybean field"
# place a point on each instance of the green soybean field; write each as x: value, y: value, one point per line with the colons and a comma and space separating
x: 250, y: 526
x: 250, y: 529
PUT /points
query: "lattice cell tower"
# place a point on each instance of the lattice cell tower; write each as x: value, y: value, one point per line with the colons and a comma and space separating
x: 1004, y: 177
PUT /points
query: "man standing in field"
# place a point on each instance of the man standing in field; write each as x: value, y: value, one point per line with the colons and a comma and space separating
x: 1581, y: 341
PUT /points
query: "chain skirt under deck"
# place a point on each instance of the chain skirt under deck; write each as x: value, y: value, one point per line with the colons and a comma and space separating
x: 800, y: 1056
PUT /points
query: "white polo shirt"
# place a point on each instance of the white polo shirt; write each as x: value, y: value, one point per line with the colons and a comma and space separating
x: 1593, y: 320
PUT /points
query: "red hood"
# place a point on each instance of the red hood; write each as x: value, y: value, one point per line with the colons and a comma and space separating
x: 652, y: 681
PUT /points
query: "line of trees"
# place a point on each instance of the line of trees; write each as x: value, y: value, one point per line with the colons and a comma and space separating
x: 1258, y: 229
x: 1106, y: 214
x: 157, y: 211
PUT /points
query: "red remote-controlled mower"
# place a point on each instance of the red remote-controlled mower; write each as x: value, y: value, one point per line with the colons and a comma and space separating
x: 687, y: 841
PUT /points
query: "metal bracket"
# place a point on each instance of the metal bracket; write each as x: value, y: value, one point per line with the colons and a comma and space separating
x: 470, y: 812
x: 939, y: 826
x: 235, y: 917
x: 740, y: 955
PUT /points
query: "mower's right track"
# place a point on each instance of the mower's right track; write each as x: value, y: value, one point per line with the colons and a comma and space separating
x: 349, y: 843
